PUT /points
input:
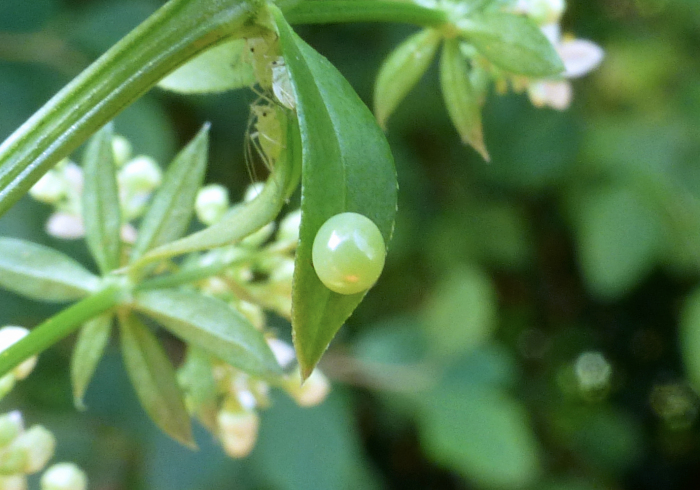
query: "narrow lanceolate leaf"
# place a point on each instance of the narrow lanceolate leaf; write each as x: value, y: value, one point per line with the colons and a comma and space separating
x: 247, y: 218
x: 461, y: 98
x: 170, y: 212
x: 101, y: 201
x: 89, y: 348
x: 513, y: 43
x: 154, y: 380
x: 218, y: 69
x: 42, y: 273
x: 347, y: 166
x: 402, y: 70
x: 196, y: 376
x: 213, y: 326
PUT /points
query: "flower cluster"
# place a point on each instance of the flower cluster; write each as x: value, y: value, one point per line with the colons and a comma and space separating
x: 580, y: 56
x: 25, y: 451
x: 253, y: 276
x: 62, y: 187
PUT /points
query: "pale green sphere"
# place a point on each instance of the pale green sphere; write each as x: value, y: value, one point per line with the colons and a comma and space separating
x: 348, y: 253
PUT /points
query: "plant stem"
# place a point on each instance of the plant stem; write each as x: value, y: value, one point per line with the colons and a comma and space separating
x: 60, y: 326
x: 331, y: 11
x: 172, y: 35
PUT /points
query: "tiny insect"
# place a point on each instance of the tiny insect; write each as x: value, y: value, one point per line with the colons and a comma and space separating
x: 271, y: 71
x: 266, y: 133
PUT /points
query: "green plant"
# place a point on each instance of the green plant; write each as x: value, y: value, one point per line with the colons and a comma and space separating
x: 308, y: 127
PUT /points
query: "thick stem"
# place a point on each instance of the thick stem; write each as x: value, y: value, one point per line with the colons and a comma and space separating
x: 61, y: 325
x: 332, y: 11
x: 172, y: 35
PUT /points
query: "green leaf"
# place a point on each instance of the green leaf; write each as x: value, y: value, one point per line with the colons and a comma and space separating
x: 88, y: 350
x: 196, y: 376
x: 213, y: 326
x: 170, y: 212
x: 620, y: 238
x: 461, y: 315
x: 461, y: 98
x: 690, y: 337
x: 218, y: 69
x: 347, y: 166
x: 101, y: 210
x: 402, y: 70
x: 153, y: 378
x: 483, y: 434
x: 513, y: 43
x: 247, y: 218
x: 42, y: 273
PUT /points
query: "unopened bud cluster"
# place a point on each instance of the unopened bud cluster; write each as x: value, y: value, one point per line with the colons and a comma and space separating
x: 62, y: 188
x: 27, y: 451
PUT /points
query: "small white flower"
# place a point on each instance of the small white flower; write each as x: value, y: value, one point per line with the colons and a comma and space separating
x: 579, y: 56
x: 284, y: 353
x: 253, y: 191
x: 38, y: 445
x: 63, y: 476
x: 289, y: 228
x: 140, y: 175
x: 50, y: 188
x: 211, y: 203
x: 65, y: 225
x: 238, y: 432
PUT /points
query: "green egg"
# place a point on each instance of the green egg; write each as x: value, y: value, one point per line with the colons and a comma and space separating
x: 348, y: 253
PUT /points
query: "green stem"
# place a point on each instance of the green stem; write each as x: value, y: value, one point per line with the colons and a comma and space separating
x: 331, y: 11
x: 61, y: 325
x: 172, y: 35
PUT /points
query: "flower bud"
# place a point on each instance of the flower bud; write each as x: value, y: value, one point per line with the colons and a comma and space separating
x: 13, y: 460
x: 211, y: 204
x: 121, y: 149
x: 63, y: 476
x: 38, y: 445
x: 238, y: 431
x: 252, y: 191
x: 142, y: 174
x: 7, y: 382
x: 10, y: 335
x: 50, y: 188
x: 542, y: 11
x: 312, y: 392
x: 284, y: 353
x: 289, y: 228
x: 14, y: 482
x: 65, y: 225
x: 11, y: 426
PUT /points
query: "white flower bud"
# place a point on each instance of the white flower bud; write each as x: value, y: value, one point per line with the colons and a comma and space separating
x: 121, y: 149
x: 13, y: 460
x: 10, y: 335
x: 50, y: 188
x: 211, y: 204
x: 128, y: 233
x: 38, y: 445
x: 141, y: 174
x: 289, y: 228
x: 133, y: 204
x: 14, y: 482
x: 65, y: 225
x: 64, y: 476
x: 542, y: 11
x: 246, y: 399
x: 11, y: 426
x: 253, y: 191
x: 556, y: 94
x: 238, y: 432
x: 284, y: 353
x: 314, y: 390
x: 73, y: 176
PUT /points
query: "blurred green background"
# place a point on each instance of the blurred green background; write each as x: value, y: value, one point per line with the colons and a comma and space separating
x: 537, y: 325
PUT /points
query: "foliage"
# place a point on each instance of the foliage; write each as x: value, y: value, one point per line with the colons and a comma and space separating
x: 522, y: 333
